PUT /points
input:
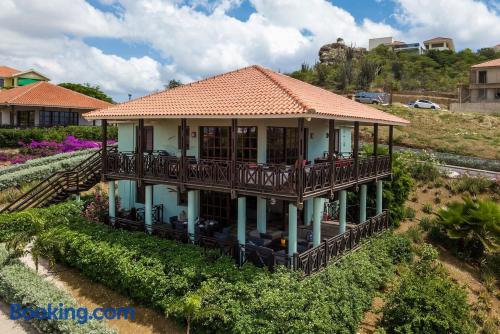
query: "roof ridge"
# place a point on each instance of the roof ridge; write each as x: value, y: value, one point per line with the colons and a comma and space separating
x: 282, y: 87
x: 179, y: 87
x: 30, y: 88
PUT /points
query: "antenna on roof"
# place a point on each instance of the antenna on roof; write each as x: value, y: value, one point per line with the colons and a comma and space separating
x: 129, y: 96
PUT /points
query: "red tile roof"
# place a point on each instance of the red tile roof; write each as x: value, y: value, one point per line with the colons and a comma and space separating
x: 48, y: 95
x: 490, y: 63
x: 7, y: 72
x: 246, y: 93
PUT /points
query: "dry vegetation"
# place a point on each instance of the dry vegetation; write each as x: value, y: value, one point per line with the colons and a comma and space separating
x: 460, y: 133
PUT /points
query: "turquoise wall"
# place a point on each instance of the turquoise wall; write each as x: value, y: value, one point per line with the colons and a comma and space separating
x: 165, y: 138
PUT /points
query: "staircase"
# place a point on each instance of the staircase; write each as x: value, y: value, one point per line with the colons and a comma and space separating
x: 60, y: 185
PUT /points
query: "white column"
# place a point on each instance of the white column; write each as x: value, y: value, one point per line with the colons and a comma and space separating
x: 318, y: 207
x: 242, y: 220
x: 111, y: 199
x: 148, y: 207
x: 292, y: 229
x: 261, y: 214
x: 193, y: 211
x: 308, y: 211
x: 379, y: 197
x: 342, y: 211
x: 362, y: 203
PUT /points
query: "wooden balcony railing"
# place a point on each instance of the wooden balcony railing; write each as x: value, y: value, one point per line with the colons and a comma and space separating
x: 278, y: 179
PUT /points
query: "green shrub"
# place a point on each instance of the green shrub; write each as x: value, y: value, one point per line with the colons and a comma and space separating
x: 425, y: 223
x: 427, y: 301
x: 422, y: 166
x: 397, y: 189
x: 414, y: 234
x: 409, y: 213
x: 167, y: 274
x: 427, y: 208
x: 473, y: 185
x: 474, y: 224
x: 21, y: 285
x: 12, y: 137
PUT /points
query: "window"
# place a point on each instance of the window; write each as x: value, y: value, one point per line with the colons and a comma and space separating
x: 26, y: 118
x: 482, y: 77
x: 437, y: 45
x: 283, y: 145
x: 2, y: 82
x: 497, y: 94
x: 147, y: 137
x: 216, y: 205
x: 247, y: 144
x: 58, y: 118
x: 215, y: 142
x: 179, y: 138
x: 45, y: 118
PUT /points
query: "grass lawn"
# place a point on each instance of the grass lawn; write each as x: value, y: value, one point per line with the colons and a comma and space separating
x: 470, y: 134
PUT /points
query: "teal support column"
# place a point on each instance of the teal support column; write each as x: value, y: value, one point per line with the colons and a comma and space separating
x: 148, y: 207
x: 318, y: 207
x: 193, y: 210
x: 111, y: 199
x: 292, y: 229
x: 261, y: 215
x: 342, y: 210
x: 362, y: 203
x: 242, y: 219
x: 78, y: 199
x: 379, y: 197
x: 308, y: 208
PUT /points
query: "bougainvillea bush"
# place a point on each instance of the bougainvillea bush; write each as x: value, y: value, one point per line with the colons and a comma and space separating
x: 43, y: 148
x: 97, y: 205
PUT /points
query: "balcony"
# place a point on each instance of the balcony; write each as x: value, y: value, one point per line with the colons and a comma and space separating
x: 278, y: 180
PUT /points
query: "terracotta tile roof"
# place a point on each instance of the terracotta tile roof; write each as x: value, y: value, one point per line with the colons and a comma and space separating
x: 435, y: 39
x: 48, y: 95
x: 7, y: 72
x: 249, y: 92
x: 490, y: 63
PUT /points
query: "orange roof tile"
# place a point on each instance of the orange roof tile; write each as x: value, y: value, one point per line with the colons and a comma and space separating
x: 48, y: 95
x: 249, y: 92
x: 7, y: 72
x: 490, y: 63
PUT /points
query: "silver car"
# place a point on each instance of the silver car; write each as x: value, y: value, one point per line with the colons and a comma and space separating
x: 425, y: 104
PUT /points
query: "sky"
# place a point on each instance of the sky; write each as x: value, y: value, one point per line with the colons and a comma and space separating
x: 137, y: 46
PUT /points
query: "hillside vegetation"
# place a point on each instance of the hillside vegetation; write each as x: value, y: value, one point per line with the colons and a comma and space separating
x: 460, y: 133
x: 383, y: 69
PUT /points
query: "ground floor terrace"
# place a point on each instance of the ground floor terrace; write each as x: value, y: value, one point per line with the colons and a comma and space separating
x: 263, y: 231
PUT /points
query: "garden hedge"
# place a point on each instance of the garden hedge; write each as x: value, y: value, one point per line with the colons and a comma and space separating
x: 162, y: 273
x: 21, y: 285
x: 12, y: 137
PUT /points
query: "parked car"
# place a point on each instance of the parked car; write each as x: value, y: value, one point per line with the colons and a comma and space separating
x: 371, y: 98
x: 425, y: 104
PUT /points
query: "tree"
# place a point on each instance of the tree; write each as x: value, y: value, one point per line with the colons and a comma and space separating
x: 173, y: 84
x: 89, y: 90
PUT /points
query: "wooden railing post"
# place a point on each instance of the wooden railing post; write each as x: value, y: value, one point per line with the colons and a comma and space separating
x: 300, y: 171
x: 391, y: 134
x: 356, y: 150
x: 331, y: 150
x: 375, y: 146
x: 234, y: 147
x: 183, y: 165
x: 104, y: 124
x: 140, y: 152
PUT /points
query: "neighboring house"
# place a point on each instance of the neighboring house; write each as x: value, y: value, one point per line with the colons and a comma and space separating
x: 439, y: 43
x: 10, y: 77
x: 484, y: 83
x: 44, y: 104
x: 497, y: 48
x: 258, y: 152
x: 395, y: 45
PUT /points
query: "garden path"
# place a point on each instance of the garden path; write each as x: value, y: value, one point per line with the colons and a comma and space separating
x: 91, y: 295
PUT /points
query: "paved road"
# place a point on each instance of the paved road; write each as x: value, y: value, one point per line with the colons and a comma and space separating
x: 495, y: 176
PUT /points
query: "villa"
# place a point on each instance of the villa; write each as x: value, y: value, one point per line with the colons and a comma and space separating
x: 252, y: 161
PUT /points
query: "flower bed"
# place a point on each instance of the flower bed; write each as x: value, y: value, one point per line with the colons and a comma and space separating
x: 25, y: 174
x: 169, y: 275
x: 21, y: 285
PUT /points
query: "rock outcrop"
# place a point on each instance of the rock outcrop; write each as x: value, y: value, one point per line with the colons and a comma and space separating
x: 335, y: 52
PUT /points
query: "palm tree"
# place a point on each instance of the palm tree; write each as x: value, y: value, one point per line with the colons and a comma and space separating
x: 472, y: 220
